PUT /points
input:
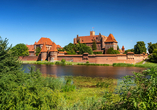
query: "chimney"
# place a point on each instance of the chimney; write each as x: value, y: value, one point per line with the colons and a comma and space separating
x: 92, y: 33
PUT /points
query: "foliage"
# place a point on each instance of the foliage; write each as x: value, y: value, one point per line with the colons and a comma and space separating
x: 139, y: 92
x: 115, y: 52
x: 151, y: 47
x: 63, y: 61
x: 70, y: 48
x: 38, y: 49
x: 20, y: 50
x: 129, y: 50
x: 19, y: 90
x: 139, y: 48
x: 82, y: 48
x: 87, y: 62
x: 117, y: 47
x: 94, y: 45
x: 123, y: 64
x: 97, y: 52
x: 153, y: 56
x: 111, y: 51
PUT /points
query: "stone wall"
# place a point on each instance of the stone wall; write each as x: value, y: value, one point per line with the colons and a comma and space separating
x: 97, y: 58
x: 104, y: 58
x: 28, y: 58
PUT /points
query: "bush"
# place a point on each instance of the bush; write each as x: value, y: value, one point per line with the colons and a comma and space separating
x: 63, y: 61
x: 97, y: 52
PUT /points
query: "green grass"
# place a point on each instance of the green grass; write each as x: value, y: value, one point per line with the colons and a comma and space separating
x: 146, y: 65
x: 86, y: 87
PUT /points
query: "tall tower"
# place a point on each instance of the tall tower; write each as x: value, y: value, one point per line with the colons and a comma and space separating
x: 53, y: 52
x: 43, y: 53
x: 110, y: 43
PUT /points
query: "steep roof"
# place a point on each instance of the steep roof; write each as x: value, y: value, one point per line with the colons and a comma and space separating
x: 53, y: 48
x: 110, y: 38
x: 88, y: 39
x: 44, y: 49
x: 43, y: 40
x: 30, y: 47
x: 58, y: 46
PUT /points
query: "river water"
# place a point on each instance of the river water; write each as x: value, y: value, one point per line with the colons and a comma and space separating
x: 81, y: 70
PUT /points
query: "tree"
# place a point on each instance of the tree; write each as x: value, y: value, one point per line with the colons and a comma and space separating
x: 70, y: 48
x: 151, y: 47
x: 94, y: 45
x: 129, y: 50
x: 139, y: 48
x: 111, y: 51
x: 82, y: 48
x: 117, y: 47
x: 20, y: 50
x: 38, y: 49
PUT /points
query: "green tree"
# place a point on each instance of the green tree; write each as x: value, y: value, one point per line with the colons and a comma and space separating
x: 151, y: 47
x: 129, y: 50
x: 70, y: 48
x: 109, y: 50
x: 82, y: 48
x: 115, y: 52
x: 139, y: 48
x: 20, y: 50
x: 117, y: 47
x: 38, y: 49
x: 94, y: 45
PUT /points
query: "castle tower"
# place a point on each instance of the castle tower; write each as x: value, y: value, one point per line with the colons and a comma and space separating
x: 43, y: 53
x: 110, y: 43
x: 53, y: 52
x: 92, y: 33
x: 123, y: 49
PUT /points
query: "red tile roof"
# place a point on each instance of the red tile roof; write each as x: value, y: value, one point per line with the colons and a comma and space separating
x: 53, y: 48
x: 30, y: 47
x: 43, y: 40
x: 110, y: 38
x: 44, y: 49
x: 88, y: 39
x: 58, y: 46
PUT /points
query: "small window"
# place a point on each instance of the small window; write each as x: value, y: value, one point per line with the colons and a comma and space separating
x: 82, y: 40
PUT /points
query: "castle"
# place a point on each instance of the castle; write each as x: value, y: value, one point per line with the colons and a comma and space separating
x: 47, y: 49
x: 103, y: 43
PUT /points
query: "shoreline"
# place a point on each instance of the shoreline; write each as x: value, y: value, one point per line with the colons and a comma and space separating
x: 140, y: 64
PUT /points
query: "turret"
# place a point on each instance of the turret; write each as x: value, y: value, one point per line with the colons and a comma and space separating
x: 53, y: 52
x: 43, y: 52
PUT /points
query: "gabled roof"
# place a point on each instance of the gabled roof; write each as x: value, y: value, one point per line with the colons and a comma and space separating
x: 30, y: 47
x: 53, y: 48
x: 43, y: 40
x: 58, y: 46
x: 88, y: 39
x: 44, y: 49
x: 110, y: 38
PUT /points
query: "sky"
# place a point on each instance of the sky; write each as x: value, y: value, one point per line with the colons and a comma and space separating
x: 130, y: 21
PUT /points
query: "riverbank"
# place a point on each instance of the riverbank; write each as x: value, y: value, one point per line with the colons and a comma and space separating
x: 147, y: 64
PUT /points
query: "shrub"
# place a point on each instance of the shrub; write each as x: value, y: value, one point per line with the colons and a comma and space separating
x: 63, y: 61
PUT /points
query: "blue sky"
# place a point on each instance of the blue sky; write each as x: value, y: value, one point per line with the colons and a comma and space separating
x: 26, y: 21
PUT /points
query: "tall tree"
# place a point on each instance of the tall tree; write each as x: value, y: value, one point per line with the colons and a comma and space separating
x: 94, y: 45
x: 151, y: 47
x: 20, y: 50
x: 139, y: 48
x: 38, y: 49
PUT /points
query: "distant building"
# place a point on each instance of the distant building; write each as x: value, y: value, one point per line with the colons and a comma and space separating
x: 46, y: 46
x: 102, y: 42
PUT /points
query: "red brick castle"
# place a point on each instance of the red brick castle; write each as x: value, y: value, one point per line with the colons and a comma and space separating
x: 102, y: 42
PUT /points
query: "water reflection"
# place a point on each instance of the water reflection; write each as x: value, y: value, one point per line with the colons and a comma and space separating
x: 78, y: 70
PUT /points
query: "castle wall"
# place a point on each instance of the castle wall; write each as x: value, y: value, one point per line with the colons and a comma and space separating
x: 28, y: 58
x: 97, y: 58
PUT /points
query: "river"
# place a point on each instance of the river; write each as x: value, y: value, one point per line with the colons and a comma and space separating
x: 81, y: 70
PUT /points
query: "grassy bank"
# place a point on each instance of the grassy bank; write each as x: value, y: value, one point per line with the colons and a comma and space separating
x: 145, y: 65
